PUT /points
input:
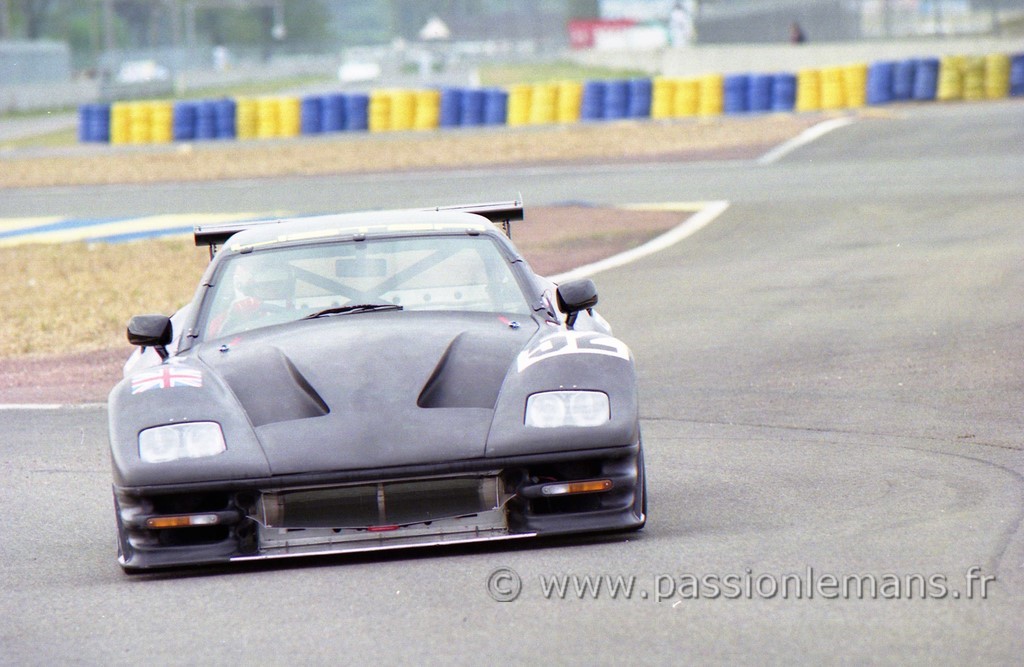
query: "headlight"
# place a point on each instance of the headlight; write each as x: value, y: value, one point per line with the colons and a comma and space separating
x: 190, y: 440
x: 550, y: 409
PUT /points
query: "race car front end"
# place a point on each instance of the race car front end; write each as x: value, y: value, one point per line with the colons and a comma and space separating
x: 373, y: 381
x: 458, y: 502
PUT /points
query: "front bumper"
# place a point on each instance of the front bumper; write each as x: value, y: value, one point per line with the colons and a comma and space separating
x: 459, y: 502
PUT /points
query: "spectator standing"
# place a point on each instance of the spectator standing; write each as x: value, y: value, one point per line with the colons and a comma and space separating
x: 681, y: 26
x: 796, y: 34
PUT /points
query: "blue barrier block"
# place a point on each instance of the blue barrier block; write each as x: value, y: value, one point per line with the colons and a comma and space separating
x: 640, y: 92
x: 734, y: 90
x: 926, y: 79
x: 85, y: 126
x: 592, y: 103
x: 357, y: 112
x: 759, y: 92
x: 224, y: 118
x: 94, y: 123
x: 616, y: 99
x: 880, y: 76
x: 183, y: 123
x: 1017, y: 74
x: 472, y: 107
x: 311, y: 111
x: 903, y: 79
x: 784, y: 92
x: 495, y: 106
x: 450, y: 111
x: 333, y: 118
x: 99, y: 123
x: 206, y: 120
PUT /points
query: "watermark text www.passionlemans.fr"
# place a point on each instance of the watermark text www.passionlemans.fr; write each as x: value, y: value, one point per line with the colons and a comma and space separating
x: 505, y: 585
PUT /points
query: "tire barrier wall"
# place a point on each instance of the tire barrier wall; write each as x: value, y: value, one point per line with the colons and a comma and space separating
x: 94, y: 123
x: 852, y: 86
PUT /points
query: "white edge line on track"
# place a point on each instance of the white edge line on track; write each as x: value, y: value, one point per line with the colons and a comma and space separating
x: 51, y: 406
x: 707, y: 214
x: 807, y: 136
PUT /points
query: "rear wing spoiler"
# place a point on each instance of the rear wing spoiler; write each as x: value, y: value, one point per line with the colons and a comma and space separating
x: 500, y: 213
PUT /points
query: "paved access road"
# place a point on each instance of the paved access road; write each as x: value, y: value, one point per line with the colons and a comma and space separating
x: 832, y: 381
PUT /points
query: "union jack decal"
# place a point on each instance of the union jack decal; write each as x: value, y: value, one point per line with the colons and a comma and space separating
x: 166, y: 377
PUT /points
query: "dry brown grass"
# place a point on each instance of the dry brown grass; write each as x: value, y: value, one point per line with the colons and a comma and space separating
x: 74, y: 297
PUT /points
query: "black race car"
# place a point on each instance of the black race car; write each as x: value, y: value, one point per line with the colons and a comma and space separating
x: 371, y: 381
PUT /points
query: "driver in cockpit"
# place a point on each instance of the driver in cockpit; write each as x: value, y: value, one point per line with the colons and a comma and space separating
x: 262, y: 292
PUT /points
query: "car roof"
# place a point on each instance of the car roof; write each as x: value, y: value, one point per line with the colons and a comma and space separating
x: 316, y: 229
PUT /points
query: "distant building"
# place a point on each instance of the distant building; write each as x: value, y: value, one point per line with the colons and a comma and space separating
x: 34, y: 62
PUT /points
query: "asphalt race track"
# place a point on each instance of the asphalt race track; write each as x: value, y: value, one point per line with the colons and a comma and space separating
x: 832, y: 381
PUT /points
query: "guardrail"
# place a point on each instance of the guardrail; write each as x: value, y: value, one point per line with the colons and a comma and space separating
x: 851, y: 86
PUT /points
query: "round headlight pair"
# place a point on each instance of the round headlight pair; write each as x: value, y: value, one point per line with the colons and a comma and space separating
x: 551, y: 409
x: 189, y: 440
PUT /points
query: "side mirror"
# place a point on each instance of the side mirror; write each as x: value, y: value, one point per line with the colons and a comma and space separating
x: 575, y: 296
x: 151, y: 331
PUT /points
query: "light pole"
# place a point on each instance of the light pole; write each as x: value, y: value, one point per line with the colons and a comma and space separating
x: 5, y: 19
x: 279, y: 31
x: 106, y: 42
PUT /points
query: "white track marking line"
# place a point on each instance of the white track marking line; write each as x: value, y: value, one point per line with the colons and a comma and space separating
x: 807, y: 136
x: 51, y: 406
x: 31, y: 406
x: 707, y: 214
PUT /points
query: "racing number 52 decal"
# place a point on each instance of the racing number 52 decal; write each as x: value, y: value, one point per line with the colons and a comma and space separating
x: 572, y: 342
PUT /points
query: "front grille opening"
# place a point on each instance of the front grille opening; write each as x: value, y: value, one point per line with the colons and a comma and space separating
x: 247, y: 535
x: 180, y: 537
x: 584, y: 502
x: 565, y: 472
x: 386, y: 503
x: 190, y: 503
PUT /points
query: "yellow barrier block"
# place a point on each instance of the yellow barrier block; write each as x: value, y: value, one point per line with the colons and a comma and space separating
x: 403, y: 109
x: 686, y: 98
x: 162, y: 114
x: 832, y: 91
x: 428, y: 110
x: 290, y: 114
x: 120, y: 123
x: 543, y: 104
x: 268, y: 118
x: 855, y: 85
x: 711, y: 93
x: 519, y: 99
x: 570, y: 99
x: 141, y: 123
x: 997, y: 76
x: 380, y: 111
x: 974, y: 78
x: 246, y: 118
x: 808, y: 90
x: 951, y: 79
x: 662, y: 97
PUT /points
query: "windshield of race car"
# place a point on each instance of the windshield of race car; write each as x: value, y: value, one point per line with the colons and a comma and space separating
x: 274, y: 286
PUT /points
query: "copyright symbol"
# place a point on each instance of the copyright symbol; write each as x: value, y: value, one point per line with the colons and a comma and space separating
x: 504, y: 585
